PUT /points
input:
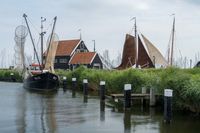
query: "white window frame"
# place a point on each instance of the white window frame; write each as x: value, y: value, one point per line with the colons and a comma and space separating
x: 97, y: 65
x: 63, y: 60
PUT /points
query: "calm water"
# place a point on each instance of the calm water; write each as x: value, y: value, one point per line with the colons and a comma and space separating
x: 25, y: 112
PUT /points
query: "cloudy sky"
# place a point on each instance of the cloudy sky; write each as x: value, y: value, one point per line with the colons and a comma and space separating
x: 107, y: 22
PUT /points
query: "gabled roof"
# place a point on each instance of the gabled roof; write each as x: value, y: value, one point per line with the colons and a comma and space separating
x: 82, y: 58
x: 66, y: 47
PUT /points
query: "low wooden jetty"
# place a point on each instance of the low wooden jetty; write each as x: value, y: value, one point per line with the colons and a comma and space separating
x: 133, y: 96
x: 151, y: 97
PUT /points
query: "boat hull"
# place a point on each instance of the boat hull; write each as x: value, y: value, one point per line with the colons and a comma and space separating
x: 42, y: 82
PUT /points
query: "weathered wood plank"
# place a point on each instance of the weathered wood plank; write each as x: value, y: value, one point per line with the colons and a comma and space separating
x: 132, y: 95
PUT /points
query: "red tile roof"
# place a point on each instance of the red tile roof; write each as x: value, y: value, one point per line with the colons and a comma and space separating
x: 82, y: 58
x: 66, y: 47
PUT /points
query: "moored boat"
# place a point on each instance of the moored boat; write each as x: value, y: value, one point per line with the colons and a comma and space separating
x: 40, y: 81
x: 41, y: 76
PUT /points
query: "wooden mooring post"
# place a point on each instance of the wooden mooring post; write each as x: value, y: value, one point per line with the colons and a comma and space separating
x: 64, y: 83
x: 102, y: 90
x: 127, y: 96
x: 143, y: 100
x: 152, y: 97
x: 85, y: 87
x: 73, y: 87
x: 168, y: 93
x: 12, y: 78
x: 73, y: 83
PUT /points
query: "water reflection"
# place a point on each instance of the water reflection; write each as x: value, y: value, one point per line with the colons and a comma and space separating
x: 28, y: 104
x: 102, y: 110
x: 21, y: 112
x: 73, y: 93
x: 127, y: 121
x: 48, y: 120
x: 85, y: 99
x: 64, y: 89
x: 24, y: 112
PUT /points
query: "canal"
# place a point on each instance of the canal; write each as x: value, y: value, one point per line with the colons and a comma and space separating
x: 22, y: 111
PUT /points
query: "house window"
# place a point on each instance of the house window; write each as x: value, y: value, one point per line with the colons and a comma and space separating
x: 82, y: 46
x: 56, y: 61
x: 63, y: 60
x: 78, y: 50
x: 97, y: 65
x: 73, y: 67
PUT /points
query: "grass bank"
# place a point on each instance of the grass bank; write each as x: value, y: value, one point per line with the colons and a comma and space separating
x: 185, y: 83
x: 10, y: 75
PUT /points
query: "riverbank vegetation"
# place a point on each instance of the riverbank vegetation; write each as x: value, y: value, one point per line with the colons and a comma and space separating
x: 185, y: 83
x: 10, y: 75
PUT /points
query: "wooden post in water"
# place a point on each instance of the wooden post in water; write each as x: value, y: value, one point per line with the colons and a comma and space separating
x: 127, y: 96
x: 73, y: 83
x: 168, y: 105
x: 127, y: 121
x: 152, y: 97
x: 102, y: 90
x: 85, y: 87
x: 144, y: 91
x: 64, y: 83
x: 12, y: 77
x: 102, y: 110
x: 73, y: 87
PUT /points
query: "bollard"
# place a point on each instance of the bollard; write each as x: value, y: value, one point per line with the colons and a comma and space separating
x: 143, y: 100
x: 85, y: 87
x: 152, y: 97
x: 64, y: 82
x: 12, y: 77
x: 168, y: 105
x: 74, y: 84
x: 127, y: 96
x: 102, y: 90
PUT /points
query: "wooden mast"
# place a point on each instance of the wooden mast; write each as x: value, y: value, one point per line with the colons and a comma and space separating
x: 136, y: 50
x: 172, y: 47
x: 25, y: 17
x: 136, y: 36
x: 42, y: 35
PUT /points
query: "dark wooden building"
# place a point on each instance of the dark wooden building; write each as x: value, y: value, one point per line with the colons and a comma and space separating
x: 88, y: 59
x: 73, y: 53
x: 65, y: 50
x: 198, y: 64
